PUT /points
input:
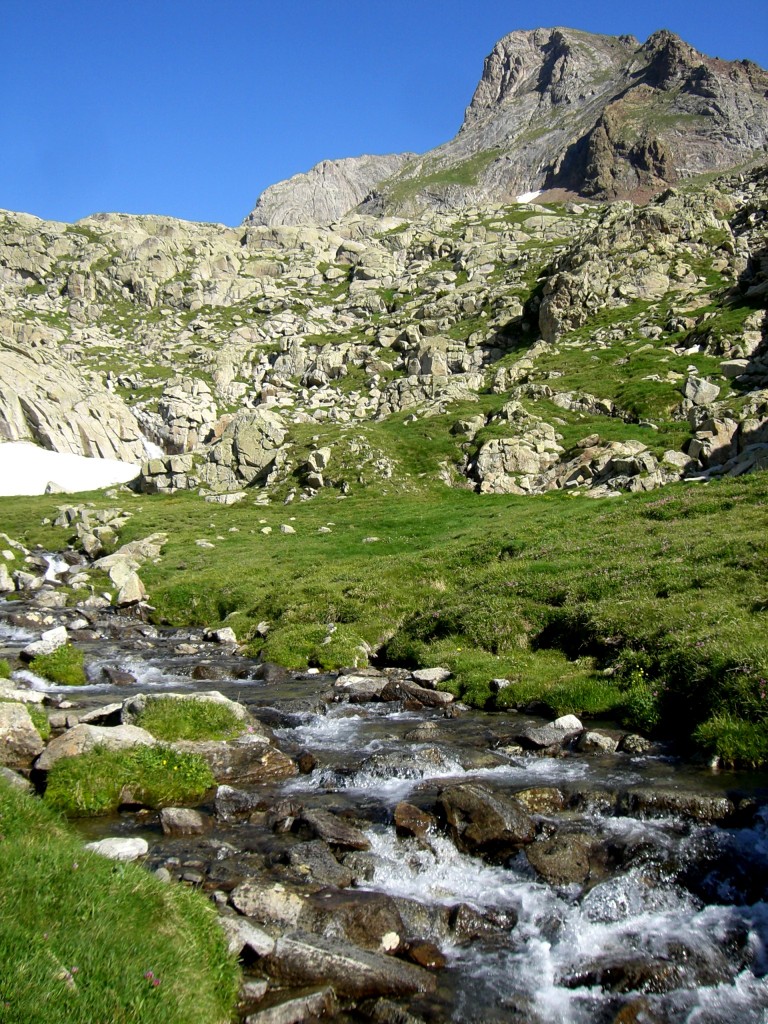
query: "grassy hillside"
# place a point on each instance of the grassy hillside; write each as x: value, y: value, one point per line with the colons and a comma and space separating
x: 650, y: 607
x: 83, y: 939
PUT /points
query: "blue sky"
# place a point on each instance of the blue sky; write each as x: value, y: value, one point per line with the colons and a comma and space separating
x: 191, y: 107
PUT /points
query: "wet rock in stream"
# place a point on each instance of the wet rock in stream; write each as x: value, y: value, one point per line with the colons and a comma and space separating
x: 570, y: 856
x: 315, y: 860
x: 333, y: 830
x: 483, y: 822
x: 301, y: 959
x: 320, y: 1002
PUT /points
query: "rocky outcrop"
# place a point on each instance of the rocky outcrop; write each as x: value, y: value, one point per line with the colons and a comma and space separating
x: 188, y: 411
x: 247, y: 449
x: 601, y: 116
x: 45, y: 400
x: 325, y: 193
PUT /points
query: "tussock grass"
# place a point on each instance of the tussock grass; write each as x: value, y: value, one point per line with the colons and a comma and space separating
x: 83, y: 939
x: 63, y: 666
x: 101, y: 780
x: 170, y: 719
x: 737, y: 743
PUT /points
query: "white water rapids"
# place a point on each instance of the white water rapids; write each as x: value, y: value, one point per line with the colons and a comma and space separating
x: 674, y: 932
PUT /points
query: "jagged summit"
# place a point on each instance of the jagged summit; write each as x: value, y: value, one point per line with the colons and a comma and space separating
x: 604, y: 117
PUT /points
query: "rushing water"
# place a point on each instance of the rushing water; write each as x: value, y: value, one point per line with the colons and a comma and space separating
x: 675, y: 932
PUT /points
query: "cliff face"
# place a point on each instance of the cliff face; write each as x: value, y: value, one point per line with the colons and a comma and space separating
x: 325, y: 193
x: 601, y: 116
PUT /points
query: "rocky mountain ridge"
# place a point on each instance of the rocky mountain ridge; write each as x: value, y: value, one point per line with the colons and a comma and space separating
x: 601, y: 117
x: 529, y: 347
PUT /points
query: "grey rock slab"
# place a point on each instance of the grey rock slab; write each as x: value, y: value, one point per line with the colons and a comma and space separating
x: 431, y: 677
x: 733, y: 367
x: 593, y: 742
x: 131, y: 592
x: 567, y: 723
x: 309, y: 1006
x: 269, y: 902
x: 253, y: 990
x: 241, y: 932
x: 83, y: 738
x: 183, y: 821
x: 335, y: 830
x: 20, y: 742
x: 541, y: 737
x: 225, y: 635
x: 6, y: 582
x: 9, y: 692
x: 108, y: 714
x: 15, y: 780
x: 699, y: 391
x: 315, y: 861
x: 428, y: 697
x: 360, y: 689
x: 355, y: 973
x: 49, y: 642
x: 120, y: 848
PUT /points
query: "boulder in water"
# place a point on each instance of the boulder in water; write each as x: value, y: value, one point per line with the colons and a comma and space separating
x: 483, y: 822
x: 309, y: 960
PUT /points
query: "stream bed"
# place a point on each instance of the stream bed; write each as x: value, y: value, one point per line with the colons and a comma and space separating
x: 638, y: 893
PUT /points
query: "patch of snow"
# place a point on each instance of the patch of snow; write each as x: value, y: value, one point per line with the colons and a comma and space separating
x: 528, y: 197
x: 27, y: 469
x: 152, y: 450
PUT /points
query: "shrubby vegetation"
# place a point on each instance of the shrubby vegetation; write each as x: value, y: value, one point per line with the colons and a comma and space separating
x: 127, y: 948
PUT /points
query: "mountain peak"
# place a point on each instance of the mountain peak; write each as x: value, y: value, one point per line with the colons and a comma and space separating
x: 604, y: 117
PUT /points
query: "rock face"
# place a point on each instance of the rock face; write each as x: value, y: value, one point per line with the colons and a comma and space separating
x: 44, y: 400
x: 253, y: 355
x: 248, y: 447
x: 602, y: 116
x: 597, y: 115
x: 325, y: 193
x: 188, y: 411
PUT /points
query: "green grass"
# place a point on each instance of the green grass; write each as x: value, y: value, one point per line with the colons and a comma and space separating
x: 465, y: 173
x: 5, y: 669
x: 63, y: 666
x: 40, y: 720
x: 549, y: 592
x: 99, y: 781
x: 79, y: 934
x: 735, y: 742
x: 170, y: 719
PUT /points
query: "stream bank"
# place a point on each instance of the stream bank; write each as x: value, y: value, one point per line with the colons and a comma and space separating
x: 421, y: 861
